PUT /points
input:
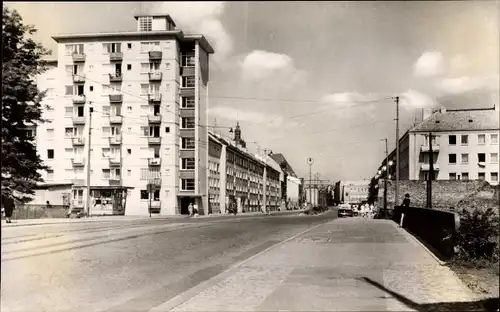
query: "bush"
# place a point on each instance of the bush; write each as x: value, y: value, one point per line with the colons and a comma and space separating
x: 477, y: 237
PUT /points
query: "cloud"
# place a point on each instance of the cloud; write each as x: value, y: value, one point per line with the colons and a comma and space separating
x: 260, y: 66
x: 412, y: 99
x: 348, y: 99
x: 248, y: 117
x: 203, y: 18
x: 459, y: 63
x: 429, y: 64
x: 466, y: 84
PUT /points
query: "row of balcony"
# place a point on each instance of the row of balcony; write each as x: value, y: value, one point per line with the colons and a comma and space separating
x: 116, y: 119
x: 427, y: 167
x: 118, y: 77
x: 426, y: 148
x: 117, y: 56
x: 153, y: 98
x: 79, y: 161
x: 114, y: 140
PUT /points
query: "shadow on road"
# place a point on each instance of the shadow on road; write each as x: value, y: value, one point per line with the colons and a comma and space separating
x: 490, y: 304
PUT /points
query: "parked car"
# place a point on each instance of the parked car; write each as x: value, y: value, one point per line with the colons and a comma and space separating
x: 345, y: 210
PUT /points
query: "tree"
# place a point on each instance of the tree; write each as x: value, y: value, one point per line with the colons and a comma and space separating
x: 21, y: 106
x: 373, y: 191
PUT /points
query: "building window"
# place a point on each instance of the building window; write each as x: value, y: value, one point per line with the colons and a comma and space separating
x: 188, y: 143
x: 188, y: 82
x: 112, y: 47
x: 465, y: 176
x: 494, y: 139
x: 452, y: 158
x: 187, y: 184
x: 50, y: 154
x: 465, y: 159
x: 144, y: 194
x: 188, y: 59
x: 145, y: 23
x: 453, y: 176
x: 187, y: 122
x: 481, y: 157
x: 494, y: 177
x: 150, y: 46
x: 50, y: 133
x: 481, y: 176
x: 465, y: 139
x: 188, y: 102
x: 106, y: 173
x: 452, y: 139
x: 129, y: 46
x: 481, y: 138
x: 494, y: 158
x: 167, y: 129
x: 188, y: 163
x: 129, y: 66
x: 50, y: 174
x: 91, y: 88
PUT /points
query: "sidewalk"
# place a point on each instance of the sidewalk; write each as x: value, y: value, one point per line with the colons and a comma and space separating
x: 47, y: 221
x: 345, y: 265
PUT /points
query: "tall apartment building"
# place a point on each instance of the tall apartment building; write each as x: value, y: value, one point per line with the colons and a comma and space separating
x: 465, y: 146
x: 147, y: 92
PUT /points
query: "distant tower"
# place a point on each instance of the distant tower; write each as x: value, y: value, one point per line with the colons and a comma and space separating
x: 238, y: 141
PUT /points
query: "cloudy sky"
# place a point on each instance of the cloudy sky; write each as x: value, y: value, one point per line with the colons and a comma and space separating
x: 313, y: 79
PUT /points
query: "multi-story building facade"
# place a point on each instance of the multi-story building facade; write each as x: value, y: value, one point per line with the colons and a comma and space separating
x: 135, y: 102
x: 239, y: 178
x: 355, y: 192
x: 465, y: 146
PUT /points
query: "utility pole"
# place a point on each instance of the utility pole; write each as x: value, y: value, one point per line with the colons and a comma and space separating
x: 87, y: 204
x: 310, y: 161
x: 396, y: 201
x: 386, y: 174
x: 431, y: 173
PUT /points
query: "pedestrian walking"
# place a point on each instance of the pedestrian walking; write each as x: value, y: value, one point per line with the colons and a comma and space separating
x: 195, y: 210
x: 9, y: 206
x: 190, y: 209
x: 406, y: 205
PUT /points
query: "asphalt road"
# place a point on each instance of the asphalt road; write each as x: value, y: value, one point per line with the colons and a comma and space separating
x: 129, y: 265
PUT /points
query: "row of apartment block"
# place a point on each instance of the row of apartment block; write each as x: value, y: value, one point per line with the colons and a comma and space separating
x: 136, y: 104
x: 464, y: 142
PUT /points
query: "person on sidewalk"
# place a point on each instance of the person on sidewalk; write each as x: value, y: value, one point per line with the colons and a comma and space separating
x: 190, y: 209
x: 9, y: 206
x: 195, y: 210
x: 405, y: 205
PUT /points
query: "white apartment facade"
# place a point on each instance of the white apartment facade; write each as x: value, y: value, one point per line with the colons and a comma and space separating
x: 465, y: 146
x: 147, y: 90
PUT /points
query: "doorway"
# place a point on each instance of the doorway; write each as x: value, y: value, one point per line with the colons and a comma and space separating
x: 185, y: 201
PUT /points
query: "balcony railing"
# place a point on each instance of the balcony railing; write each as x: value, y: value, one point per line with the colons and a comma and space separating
x: 116, y: 56
x: 116, y: 119
x: 154, y: 97
x: 114, y: 161
x: 78, y: 161
x: 427, y: 167
x: 78, y: 57
x: 115, y: 98
x: 114, y: 181
x: 154, y: 161
x: 155, y: 76
x: 78, y: 78
x: 154, y: 140
x: 78, y: 140
x: 426, y: 148
x: 115, y: 140
x: 155, y: 55
x: 115, y: 77
x: 79, y: 99
x: 78, y: 120
x: 154, y: 119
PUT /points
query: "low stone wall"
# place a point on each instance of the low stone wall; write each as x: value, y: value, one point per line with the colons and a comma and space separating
x: 445, y: 194
x: 437, y: 228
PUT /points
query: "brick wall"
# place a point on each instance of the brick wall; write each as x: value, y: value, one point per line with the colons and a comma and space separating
x: 445, y: 194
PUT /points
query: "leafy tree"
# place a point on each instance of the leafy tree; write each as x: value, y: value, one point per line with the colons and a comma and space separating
x: 373, y: 191
x: 21, y: 106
